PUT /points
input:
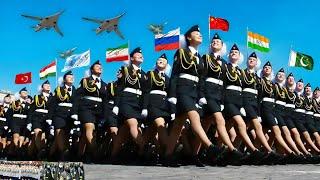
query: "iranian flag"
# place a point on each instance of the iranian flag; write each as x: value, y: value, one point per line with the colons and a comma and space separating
x: 258, y: 42
x: 120, y: 53
x: 300, y: 60
x: 48, y: 71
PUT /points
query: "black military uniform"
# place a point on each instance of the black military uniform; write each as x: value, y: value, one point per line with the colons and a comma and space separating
x: 299, y: 112
x: 290, y: 106
x: 131, y: 89
x: 280, y: 101
x: 213, y: 78
x: 18, y: 116
x: 233, y: 93
x: 92, y: 93
x: 3, y: 119
x: 155, y: 99
x: 63, y: 105
x: 316, y: 110
x: 38, y: 112
x: 250, y: 86
x: 267, y: 108
x: 186, y: 72
x: 109, y: 104
x: 309, y: 120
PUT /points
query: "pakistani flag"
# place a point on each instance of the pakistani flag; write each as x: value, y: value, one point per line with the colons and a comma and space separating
x: 300, y: 60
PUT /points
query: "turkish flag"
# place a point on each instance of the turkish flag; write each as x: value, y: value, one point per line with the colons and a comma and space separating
x: 218, y: 23
x: 24, y: 78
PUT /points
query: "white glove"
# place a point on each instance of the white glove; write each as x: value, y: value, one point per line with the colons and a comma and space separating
x: 74, y: 116
x: 52, y: 132
x: 243, y: 112
x: 222, y: 107
x: 259, y: 119
x: 173, y: 116
x: 115, y: 110
x: 5, y: 127
x: 198, y: 106
x: 144, y: 113
x: 172, y: 100
x: 29, y: 126
x: 76, y: 123
x: 49, y: 121
x: 202, y: 101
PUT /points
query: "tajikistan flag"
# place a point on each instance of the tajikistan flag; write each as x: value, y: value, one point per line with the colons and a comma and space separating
x: 120, y: 53
x: 300, y: 60
x: 48, y: 71
x: 258, y: 42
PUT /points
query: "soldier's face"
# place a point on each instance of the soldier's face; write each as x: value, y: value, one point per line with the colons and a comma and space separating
x: 162, y: 64
x: 97, y: 69
x: 216, y: 45
x: 308, y: 90
x: 46, y: 87
x: 69, y: 79
x: 290, y: 80
x: 316, y: 94
x: 300, y: 86
x: 267, y: 70
x: 195, y: 38
x: 234, y: 56
x: 252, y: 62
x: 23, y: 94
x: 280, y: 76
x: 137, y: 58
x: 7, y: 100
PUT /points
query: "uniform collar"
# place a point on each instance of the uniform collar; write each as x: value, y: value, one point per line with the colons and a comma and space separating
x: 6, y: 105
x: 251, y: 70
x: 135, y: 67
x: 95, y: 77
x: 193, y: 50
x: 45, y: 94
x: 22, y: 100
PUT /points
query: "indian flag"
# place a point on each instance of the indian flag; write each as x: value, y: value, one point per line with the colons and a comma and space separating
x: 258, y: 42
x: 120, y: 53
x: 300, y: 60
x: 48, y: 71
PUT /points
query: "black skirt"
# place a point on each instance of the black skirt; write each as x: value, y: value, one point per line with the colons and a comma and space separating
x: 268, y: 115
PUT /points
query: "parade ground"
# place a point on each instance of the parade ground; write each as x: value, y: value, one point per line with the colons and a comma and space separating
x: 283, y: 172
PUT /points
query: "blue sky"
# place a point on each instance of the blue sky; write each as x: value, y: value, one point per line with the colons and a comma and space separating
x: 286, y: 23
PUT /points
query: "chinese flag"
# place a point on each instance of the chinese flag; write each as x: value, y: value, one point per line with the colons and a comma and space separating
x: 24, y: 78
x: 218, y: 23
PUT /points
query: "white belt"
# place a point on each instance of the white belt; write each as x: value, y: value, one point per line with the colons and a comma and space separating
x: 3, y: 119
x: 42, y: 110
x: 159, y: 92
x: 281, y: 103
x: 189, y: 77
x: 316, y: 115
x: 111, y: 102
x: 91, y: 98
x: 215, y: 81
x: 309, y: 113
x: 20, y: 115
x: 134, y: 91
x: 235, y: 88
x: 65, y: 104
x: 250, y: 90
x: 266, y: 99
x: 300, y: 110
x: 290, y: 105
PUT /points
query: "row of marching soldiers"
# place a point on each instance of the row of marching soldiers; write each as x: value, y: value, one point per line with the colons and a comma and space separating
x: 209, y: 111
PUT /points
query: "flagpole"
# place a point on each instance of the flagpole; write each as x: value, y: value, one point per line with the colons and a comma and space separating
x: 209, y: 28
x: 56, y: 72
x: 288, y: 67
x: 247, y: 42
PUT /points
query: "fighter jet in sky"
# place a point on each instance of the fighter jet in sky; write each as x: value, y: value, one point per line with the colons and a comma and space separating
x: 46, y: 22
x: 67, y: 53
x: 157, y: 28
x: 107, y: 25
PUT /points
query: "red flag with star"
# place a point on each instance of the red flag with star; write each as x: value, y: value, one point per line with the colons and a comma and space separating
x: 218, y: 23
x: 24, y: 78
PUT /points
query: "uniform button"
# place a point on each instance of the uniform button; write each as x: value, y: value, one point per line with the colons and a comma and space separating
x: 69, y: 110
x: 96, y: 105
x: 138, y: 96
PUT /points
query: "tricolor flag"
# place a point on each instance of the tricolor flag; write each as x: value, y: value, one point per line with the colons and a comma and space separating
x: 120, y: 53
x: 167, y: 41
x: 24, y: 78
x: 218, y: 23
x: 297, y: 59
x: 77, y: 60
x: 258, y: 42
x: 48, y: 71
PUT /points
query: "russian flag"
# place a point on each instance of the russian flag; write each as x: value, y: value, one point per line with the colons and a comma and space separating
x: 167, y: 41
